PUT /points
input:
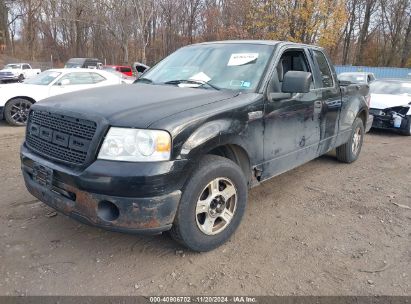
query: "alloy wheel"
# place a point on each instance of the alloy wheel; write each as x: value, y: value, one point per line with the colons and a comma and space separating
x: 19, y: 112
x: 216, y: 206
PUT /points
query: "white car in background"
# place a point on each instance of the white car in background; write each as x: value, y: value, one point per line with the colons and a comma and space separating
x: 391, y: 105
x: 357, y: 77
x: 16, y: 99
x: 17, y: 72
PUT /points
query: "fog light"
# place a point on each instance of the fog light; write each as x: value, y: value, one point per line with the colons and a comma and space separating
x: 107, y: 211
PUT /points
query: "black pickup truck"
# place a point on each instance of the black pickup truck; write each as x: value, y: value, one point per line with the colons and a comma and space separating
x: 178, y: 150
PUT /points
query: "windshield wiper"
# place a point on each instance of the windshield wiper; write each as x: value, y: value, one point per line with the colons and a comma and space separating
x: 200, y: 82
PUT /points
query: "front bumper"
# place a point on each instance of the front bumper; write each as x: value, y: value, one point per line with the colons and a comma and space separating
x: 385, y: 120
x: 8, y: 78
x: 112, y: 209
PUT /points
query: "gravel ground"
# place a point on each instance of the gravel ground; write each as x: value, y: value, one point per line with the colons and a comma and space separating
x: 325, y: 228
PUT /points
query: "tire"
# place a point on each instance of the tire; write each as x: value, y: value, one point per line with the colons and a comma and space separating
x: 350, y: 151
x: 21, y: 78
x: 206, y: 230
x: 407, y: 130
x: 16, y: 111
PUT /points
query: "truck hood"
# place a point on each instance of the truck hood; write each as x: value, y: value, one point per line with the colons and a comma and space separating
x: 384, y: 101
x: 135, y: 105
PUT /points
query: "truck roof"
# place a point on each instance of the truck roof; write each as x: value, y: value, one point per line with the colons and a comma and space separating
x: 263, y: 42
x: 82, y: 59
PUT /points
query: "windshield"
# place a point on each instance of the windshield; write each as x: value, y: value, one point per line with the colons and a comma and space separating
x: 354, y: 78
x: 12, y: 66
x: 391, y: 87
x: 224, y: 66
x: 44, y: 78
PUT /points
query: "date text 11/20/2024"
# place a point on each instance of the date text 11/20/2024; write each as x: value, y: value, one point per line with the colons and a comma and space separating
x: 204, y: 299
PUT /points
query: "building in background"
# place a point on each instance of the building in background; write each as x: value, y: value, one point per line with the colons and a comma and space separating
x: 379, y: 72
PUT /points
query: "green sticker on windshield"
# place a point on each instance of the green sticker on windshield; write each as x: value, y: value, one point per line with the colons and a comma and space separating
x: 240, y: 83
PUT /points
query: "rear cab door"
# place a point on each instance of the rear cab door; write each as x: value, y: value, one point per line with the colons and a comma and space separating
x: 330, y: 98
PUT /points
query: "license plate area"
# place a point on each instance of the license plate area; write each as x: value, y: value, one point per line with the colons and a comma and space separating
x: 42, y: 175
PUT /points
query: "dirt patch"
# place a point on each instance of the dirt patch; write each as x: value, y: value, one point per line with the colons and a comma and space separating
x: 325, y: 228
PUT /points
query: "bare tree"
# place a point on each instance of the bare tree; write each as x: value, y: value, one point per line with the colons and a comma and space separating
x: 376, y: 32
x: 370, y: 8
x: 144, y: 10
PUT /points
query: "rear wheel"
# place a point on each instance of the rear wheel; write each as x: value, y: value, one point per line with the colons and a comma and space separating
x: 16, y: 111
x: 212, y: 204
x: 350, y: 151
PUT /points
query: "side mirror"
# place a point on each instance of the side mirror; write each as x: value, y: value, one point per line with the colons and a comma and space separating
x: 65, y: 82
x: 297, y: 82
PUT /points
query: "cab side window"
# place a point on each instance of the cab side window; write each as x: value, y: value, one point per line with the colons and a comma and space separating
x: 326, y: 75
x: 97, y: 77
x: 292, y: 60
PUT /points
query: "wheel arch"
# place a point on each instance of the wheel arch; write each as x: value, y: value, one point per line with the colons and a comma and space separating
x: 237, y: 154
x: 226, y: 147
x: 21, y: 97
x: 221, y: 138
x: 363, y: 115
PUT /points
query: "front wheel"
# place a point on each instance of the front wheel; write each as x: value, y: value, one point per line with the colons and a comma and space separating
x: 21, y: 78
x: 212, y: 204
x: 17, y: 111
x: 350, y: 151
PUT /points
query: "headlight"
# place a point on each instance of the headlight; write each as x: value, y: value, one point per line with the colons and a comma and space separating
x: 135, y: 145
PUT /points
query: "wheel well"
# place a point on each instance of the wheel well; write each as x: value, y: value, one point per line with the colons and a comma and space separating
x: 238, y: 155
x: 22, y: 97
x: 363, y: 116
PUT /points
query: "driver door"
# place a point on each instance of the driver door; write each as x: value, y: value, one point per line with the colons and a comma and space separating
x: 292, y: 122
